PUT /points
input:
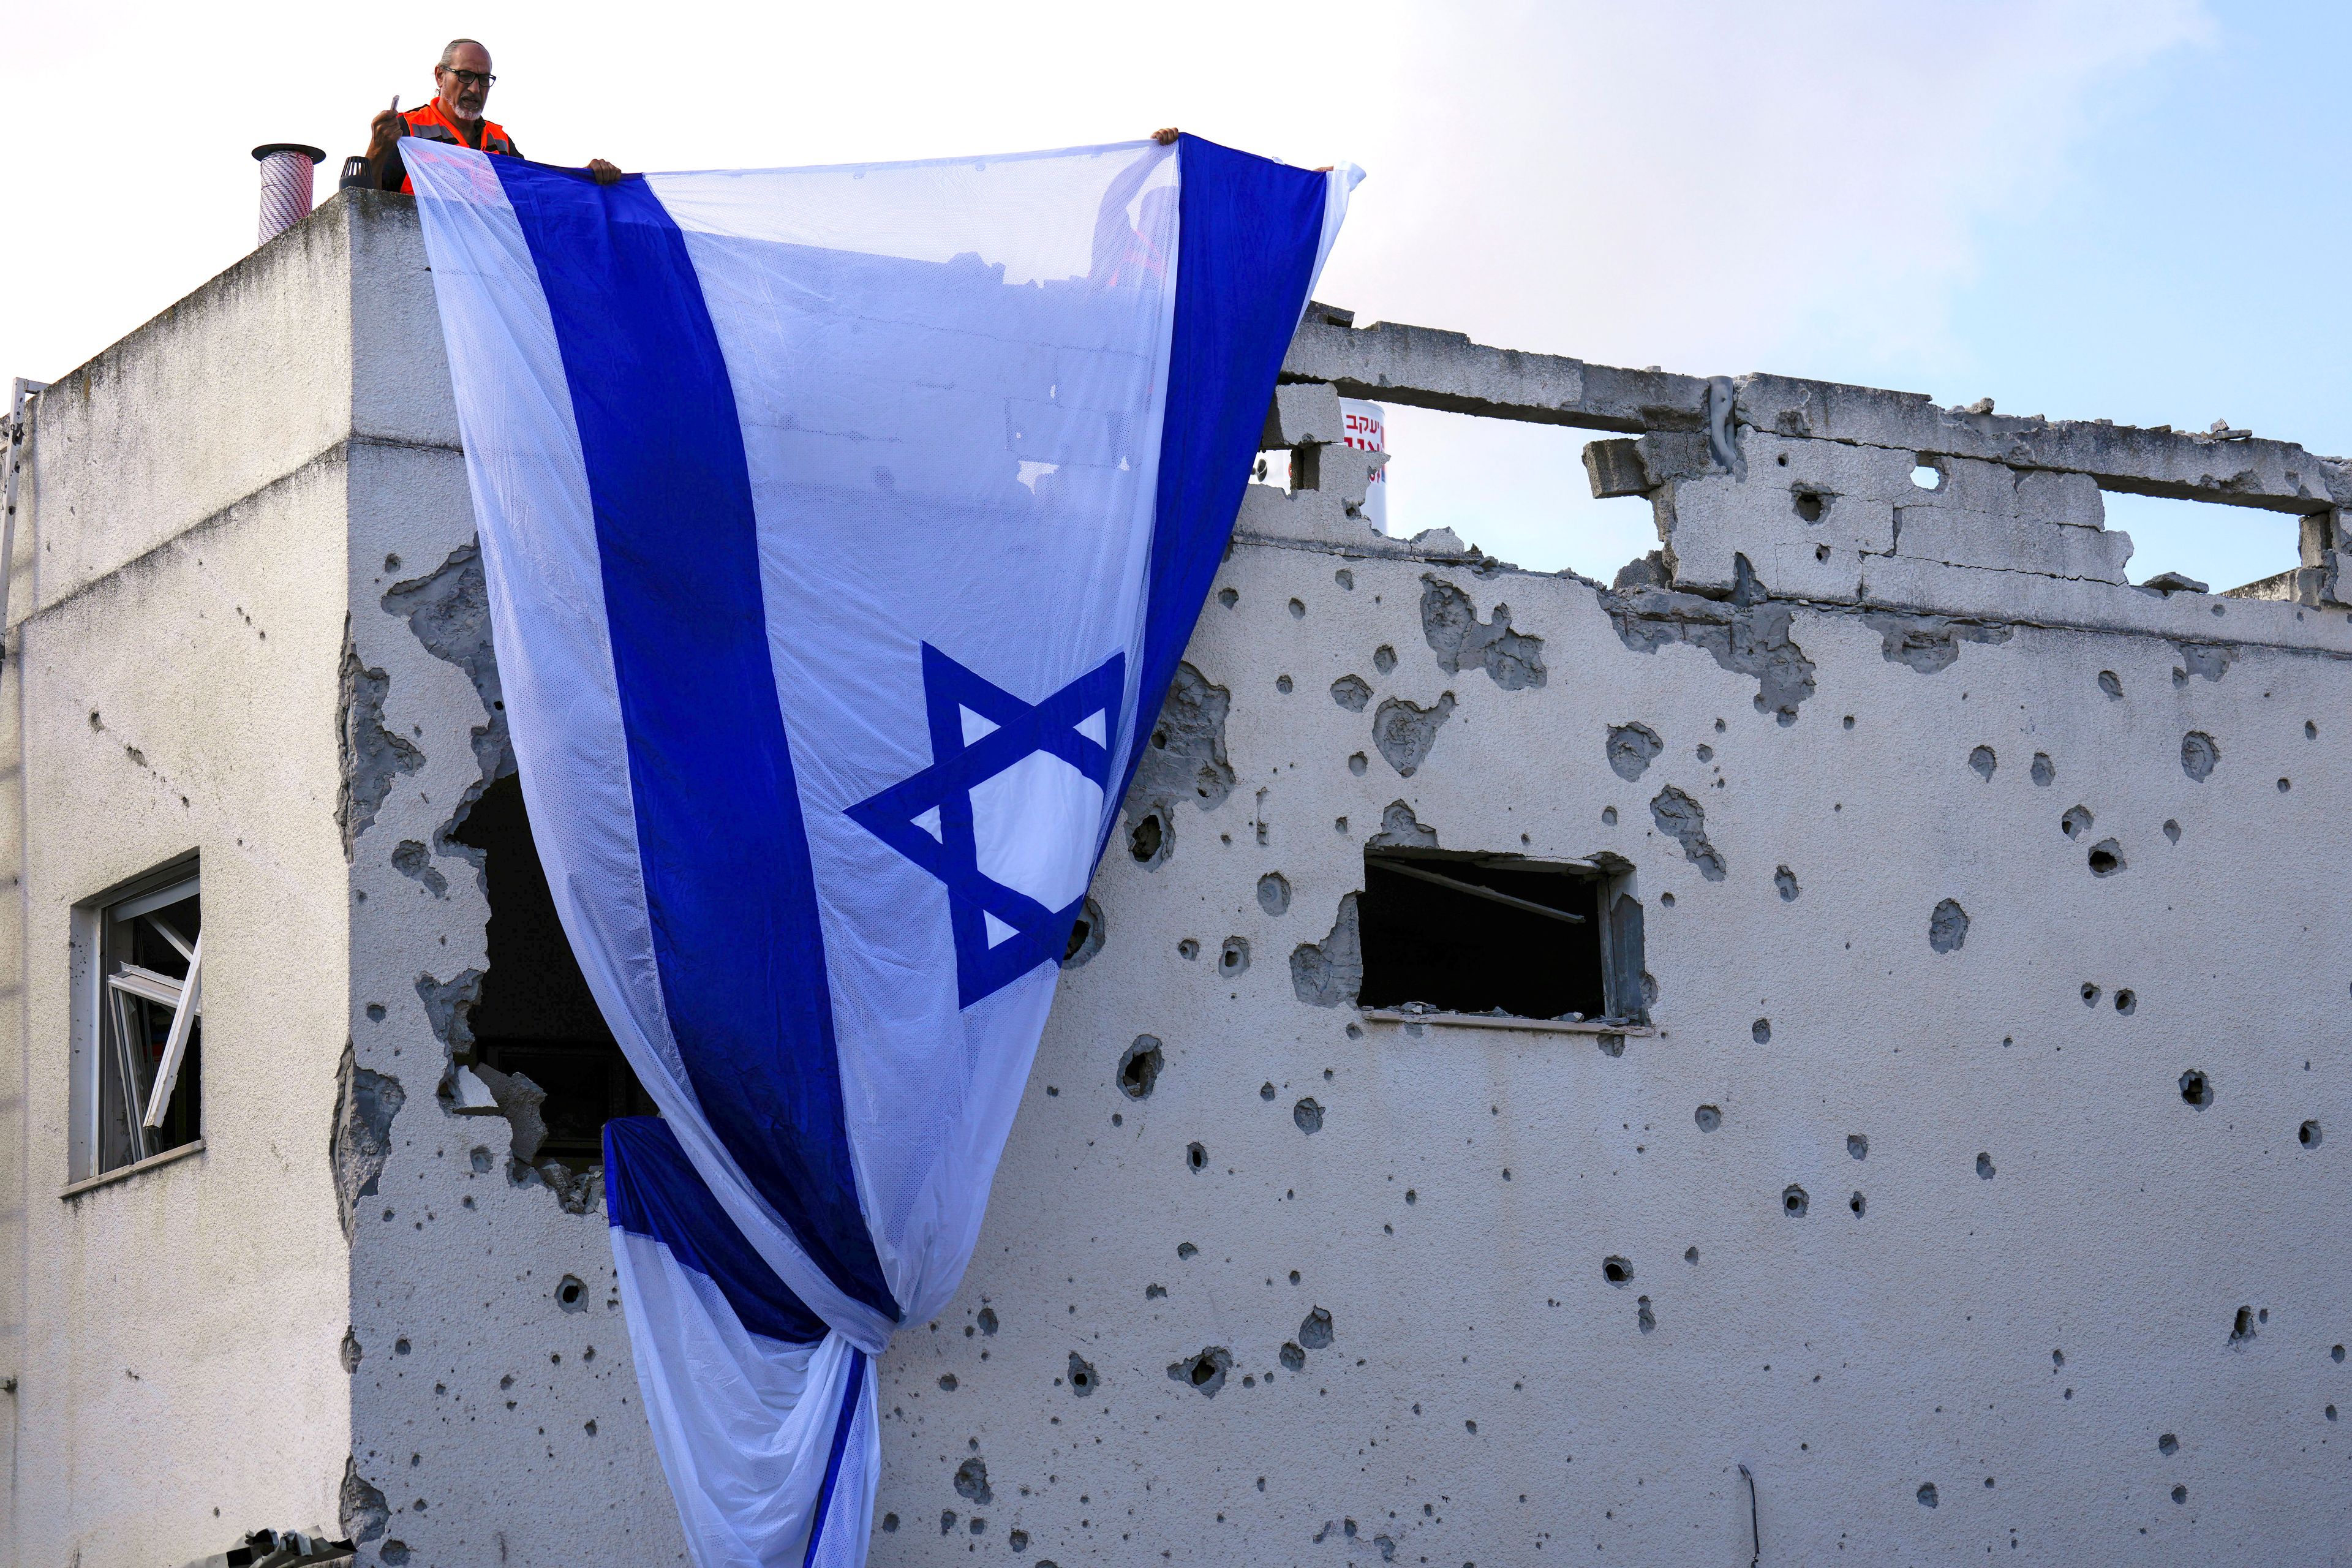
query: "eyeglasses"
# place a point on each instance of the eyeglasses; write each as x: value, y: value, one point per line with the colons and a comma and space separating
x: 469, y: 78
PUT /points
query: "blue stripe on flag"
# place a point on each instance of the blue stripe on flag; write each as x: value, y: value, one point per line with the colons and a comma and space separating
x: 651, y: 1189
x: 728, y: 883
x: 851, y: 1390
x: 1248, y: 229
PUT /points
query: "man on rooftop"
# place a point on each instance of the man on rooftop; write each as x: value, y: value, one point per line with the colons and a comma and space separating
x: 454, y: 115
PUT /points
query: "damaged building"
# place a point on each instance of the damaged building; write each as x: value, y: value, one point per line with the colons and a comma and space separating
x: 1822, y: 1045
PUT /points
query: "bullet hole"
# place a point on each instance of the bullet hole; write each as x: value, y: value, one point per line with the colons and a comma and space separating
x: 2310, y: 730
x: 1383, y: 659
x: 2180, y: 1494
x: 1018, y: 1540
x: 1404, y: 732
x: 987, y: 1319
x: 1690, y: 1255
x: 2106, y: 857
x: 376, y: 1011
x: 1292, y: 1358
x: 2090, y: 994
x: 1948, y: 926
x: 1708, y: 1118
x: 1281, y: 683
x: 479, y: 1159
x: 1849, y: 720
x: 1927, y: 1494
x: 1196, y: 1157
x: 1984, y: 1167
x: 1227, y: 597
x: 1666, y: 901
x: 1205, y: 1372
x: 1298, y: 610
x: 1148, y: 840
x: 1856, y: 1204
x: 1808, y: 504
x: 2308, y: 1136
x: 2168, y: 1445
x: 1234, y: 958
x: 947, y: 1383
x: 2199, y: 755
x: 2336, y: 1354
x: 1294, y: 1276
x: 572, y: 1295
x: 2077, y: 821
x: 1857, y: 1145
x: 1138, y: 1069
x: 972, y: 1483
x: 1308, y: 1115
x: 1187, y: 949
x: 1274, y: 893
x: 1793, y: 1201
x: 1315, y: 1330
x: 1760, y: 1031
x: 1186, y: 1249
x: 947, y: 1521
x: 890, y: 1524
x: 1344, y: 578
x: 1630, y: 749
x: 1683, y: 820
x: 2283, y: 785
x: 1786, y: 881
x: 1616, y: 1270
x: 400, y: 1347
x: 2045, y: 772
x: 2111, y: 685
x: 1706, y: 754
x: 2127, y: 1003
x: 1644, y: 1319
x: 1982, y: 760
x: 1352, y: 693
x: 1608, y: 816
x: 1086, y: 936
x: 1411, y: 1197
x: 1357, y: 762
x: 2195, y: 1088
x: 2172, y: 830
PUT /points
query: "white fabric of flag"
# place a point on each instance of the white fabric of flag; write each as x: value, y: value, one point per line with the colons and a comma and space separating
x: 843, y: 530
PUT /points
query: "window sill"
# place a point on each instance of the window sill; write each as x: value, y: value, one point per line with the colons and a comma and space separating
x: 1488, y: 1021
x: 123, y: 1172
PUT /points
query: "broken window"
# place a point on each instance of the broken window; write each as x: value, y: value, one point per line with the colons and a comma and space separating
x: 1499, y: 935
x: 138, y: 1087
x: 537, y: 1018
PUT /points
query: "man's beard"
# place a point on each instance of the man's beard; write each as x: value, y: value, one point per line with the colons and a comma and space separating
x: 469, y: 110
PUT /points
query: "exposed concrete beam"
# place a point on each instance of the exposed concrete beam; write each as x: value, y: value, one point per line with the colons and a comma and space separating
x: 1423, y: 368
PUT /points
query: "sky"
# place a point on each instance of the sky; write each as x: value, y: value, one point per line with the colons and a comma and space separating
x: 2127, y: 209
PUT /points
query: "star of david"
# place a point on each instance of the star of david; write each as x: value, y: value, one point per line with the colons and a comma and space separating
x: 1008, y: 816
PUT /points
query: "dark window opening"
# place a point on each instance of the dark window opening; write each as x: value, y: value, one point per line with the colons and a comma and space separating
x: 537, y: 1017
x: 1461, y: 933
x: 149, y: 945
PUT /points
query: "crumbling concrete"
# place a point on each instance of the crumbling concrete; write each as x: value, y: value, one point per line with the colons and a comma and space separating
x: 1974, y: 1176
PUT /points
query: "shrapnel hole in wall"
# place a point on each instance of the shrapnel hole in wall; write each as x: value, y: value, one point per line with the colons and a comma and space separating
x: 1462, y: 933
x: 537, y: 1017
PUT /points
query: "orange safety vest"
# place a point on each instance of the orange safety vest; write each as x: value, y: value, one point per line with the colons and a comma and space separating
x: 428, y: 123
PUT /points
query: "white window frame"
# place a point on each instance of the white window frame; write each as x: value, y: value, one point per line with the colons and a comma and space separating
x: 102, y: 990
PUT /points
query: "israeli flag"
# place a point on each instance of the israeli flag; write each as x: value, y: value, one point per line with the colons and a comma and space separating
x: 842, y: 528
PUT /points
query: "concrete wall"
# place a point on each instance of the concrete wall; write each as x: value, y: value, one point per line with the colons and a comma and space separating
x: 1873, y: 701
x: 178, y: 616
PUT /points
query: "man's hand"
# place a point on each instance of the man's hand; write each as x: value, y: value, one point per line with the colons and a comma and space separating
x: 1164, y: 136
x: 605, y: 172
x: 386, y: 128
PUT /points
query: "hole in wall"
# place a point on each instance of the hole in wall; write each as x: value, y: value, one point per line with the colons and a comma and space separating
x: 536, y: 1016
x: 1196, y: 1156
x: 2127, y: 1003
x: 2106, y: 857
x: 1139, y: 1067
x: 1927, y: 474
x: 1145, y: 839
x: 1475, y: 934
x: 1616, y: 1270
x: 1857, y: 1145
x: 1857, y: 1203
x: 1810, y: 505
x: 2195, y: 1088
x: 572, y: 1295
x: 2308, y: 1136
x: 1708, y: 1118
x: 1793, y: 1201
x: 2230, y: 548
x: 1517, y: 490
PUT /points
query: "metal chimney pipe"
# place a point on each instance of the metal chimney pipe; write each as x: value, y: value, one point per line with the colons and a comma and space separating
x: 286, y: 177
